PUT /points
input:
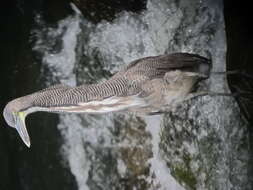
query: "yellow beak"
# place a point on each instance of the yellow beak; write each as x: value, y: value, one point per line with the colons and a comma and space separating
x: 21, y: 128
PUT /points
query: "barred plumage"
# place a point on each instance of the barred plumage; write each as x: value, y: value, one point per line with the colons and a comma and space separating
x: 149, y: 82
x: 131, y: 80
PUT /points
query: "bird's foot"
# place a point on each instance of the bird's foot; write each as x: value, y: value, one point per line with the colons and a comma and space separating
x: 242, y: 73
x: 209, y: 93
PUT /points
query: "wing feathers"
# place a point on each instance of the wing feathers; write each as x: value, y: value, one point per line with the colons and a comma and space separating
x: 127, y: 82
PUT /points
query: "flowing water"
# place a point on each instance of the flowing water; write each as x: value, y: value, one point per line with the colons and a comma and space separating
x: 199, y: 145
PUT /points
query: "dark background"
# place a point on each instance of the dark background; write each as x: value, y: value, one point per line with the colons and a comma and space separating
x: 42, y: 167
x: 239, y: 30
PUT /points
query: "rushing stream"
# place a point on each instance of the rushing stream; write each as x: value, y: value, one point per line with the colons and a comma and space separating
x: 202, y: 144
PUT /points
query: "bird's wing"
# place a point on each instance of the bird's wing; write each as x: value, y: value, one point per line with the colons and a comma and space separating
x: 143, y: 70
x: 127, y: 82
x: 157, y: 66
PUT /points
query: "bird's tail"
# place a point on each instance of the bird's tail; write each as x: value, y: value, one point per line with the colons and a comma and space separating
x: 198, y: 64
x: 184, y: 62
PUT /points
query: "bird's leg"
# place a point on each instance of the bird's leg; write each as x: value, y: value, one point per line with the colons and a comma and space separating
x: 198, y: 94
x: 191, y: 96
x: 209, y: 93
x: 234, y: 72
x: 205, y: 93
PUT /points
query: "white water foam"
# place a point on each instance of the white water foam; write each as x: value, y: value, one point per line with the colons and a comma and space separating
x: 158, y: 166
x: 62, y: 66
x: 132, y: 36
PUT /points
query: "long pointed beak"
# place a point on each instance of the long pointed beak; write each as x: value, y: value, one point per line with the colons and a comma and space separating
x: 21, y: 128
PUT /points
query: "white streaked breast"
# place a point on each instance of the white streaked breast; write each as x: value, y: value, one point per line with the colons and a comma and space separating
x: 106, y: 105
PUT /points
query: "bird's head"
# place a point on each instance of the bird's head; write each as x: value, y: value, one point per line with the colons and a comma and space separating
x: 14, y: 114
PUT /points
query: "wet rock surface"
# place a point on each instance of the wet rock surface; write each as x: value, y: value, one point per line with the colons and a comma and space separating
x: 206, y: 145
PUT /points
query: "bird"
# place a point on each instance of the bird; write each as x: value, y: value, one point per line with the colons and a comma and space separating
x: 145, y: 85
